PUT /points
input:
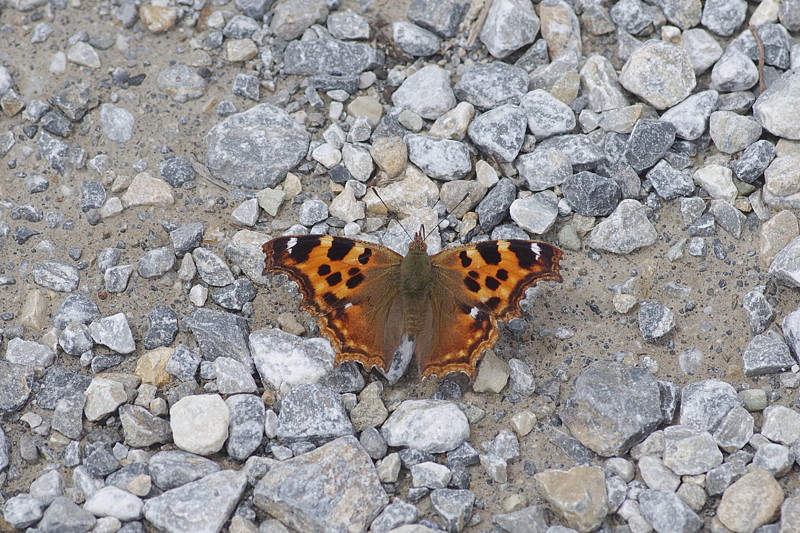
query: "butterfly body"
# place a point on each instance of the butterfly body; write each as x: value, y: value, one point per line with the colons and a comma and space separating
x: 370, y: 300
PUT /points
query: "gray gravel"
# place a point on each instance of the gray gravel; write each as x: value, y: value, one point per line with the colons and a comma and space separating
x: 152, y: 378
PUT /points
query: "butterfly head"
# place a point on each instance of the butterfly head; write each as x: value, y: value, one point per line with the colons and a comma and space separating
x: 418, y: 242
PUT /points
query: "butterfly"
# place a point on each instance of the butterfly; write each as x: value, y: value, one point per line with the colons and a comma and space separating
x: 377, y: 307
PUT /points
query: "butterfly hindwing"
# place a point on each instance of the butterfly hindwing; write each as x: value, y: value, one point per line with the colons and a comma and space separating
x: 476, y: 285
x: 350, y: 285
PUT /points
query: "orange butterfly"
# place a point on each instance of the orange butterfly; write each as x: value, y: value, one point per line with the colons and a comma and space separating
x: 373, y: 303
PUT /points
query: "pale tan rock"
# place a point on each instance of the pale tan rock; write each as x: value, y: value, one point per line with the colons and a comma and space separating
x: 152, y: 366
x: 453, y: 124
x: 158, y: 19
x: 578, y: 495
x: 366, y: 106
x: 390, y: 154
x: 32, y: 314
x: 147, y: 190
x: 776, y: 233
x: 751, y: 502
x: 493, y: 374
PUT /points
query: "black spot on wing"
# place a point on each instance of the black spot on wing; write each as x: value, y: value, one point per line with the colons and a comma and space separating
x: 492, y: 283
x: 465, y: 260
x: 489, y: 252
x: 355, y: 281
x: 502, y: 274
x: 340, y: 248
x: 330, y: 298
x: 525, y: 255
x: 353, y: 271
x: 492, y: 303
x: 365, y: 255
x: 473, y: 274
x: 324, y: 270
x: 334, y: 279
x: 302, y: 247
x: 471, y: 284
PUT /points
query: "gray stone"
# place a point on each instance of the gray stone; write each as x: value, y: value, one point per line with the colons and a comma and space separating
x: 57, y: 384
x: 625, y: 230
x: 689, y: 451
x: 427, y: 92
x: 141, y: 428
x: 305, y: 492
x: 156, y: 263
x: 440, y: 17
x: 754, y: 161
x: 731, y: 132
x: 454, y: 507
x: 434, y: 426
x: 776, y: 108
x: 612, y: 407
x: 414, y: 40
x: 649, y: 141
x: 543, y: 169
x: 536, y: 213
x: 655, y: 321
x: 668, y: 182
x: 22, y: 510
x: 581, y: 151
x: 393, y: 516
x: 181, y: 82
x: 734, y: 72
x: 200, y: 506
x: 668, y: 513
x: 64, y: 515
x: 246, y: 427
x: 509, y: 25
x: 330, y: 57
x: 235, y: 146
x: 735, y: 430
x: 705, y: 403
x: 702, y: 47
x: 116, y: 278
x: 500, y: 131
x: 660, y: 73
x: 441, y: 159
x: 117, y: 123
x: 723, y: 17
x: 488, y: 85
x: 175, y: 468
x: 163, y: 327
x: 232, y: 376
x: 547, y: 116
x: 495, y: 205
x: 312, y: 412
x: 219, y: 334
x: 55, y: 275
x: 177, y: 171
x: 759, y: 311
x: 728, y: 217
x: 113, y: 331
x: 590, y: 194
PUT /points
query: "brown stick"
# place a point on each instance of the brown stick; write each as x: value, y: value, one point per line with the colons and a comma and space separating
x: 476, y: 28
x: 761, y: 58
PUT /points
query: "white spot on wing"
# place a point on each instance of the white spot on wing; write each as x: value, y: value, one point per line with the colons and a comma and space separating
x: 348, y: 305
x: 536, y: 250
x: 291, y: 244
x: 474, y: 312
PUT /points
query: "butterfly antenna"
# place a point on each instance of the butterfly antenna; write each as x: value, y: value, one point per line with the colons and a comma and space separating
x: 454, y: 208
x: 392, y: 214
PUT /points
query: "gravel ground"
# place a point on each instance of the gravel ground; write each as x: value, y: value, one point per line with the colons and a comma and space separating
x: 154, y: 379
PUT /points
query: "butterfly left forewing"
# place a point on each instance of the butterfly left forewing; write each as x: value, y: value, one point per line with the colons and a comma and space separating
x: 476, y: 285
x: 350, y: 285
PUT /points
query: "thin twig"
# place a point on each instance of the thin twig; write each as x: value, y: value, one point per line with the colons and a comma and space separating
x: 761, y: 58
x: 476, y: 28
